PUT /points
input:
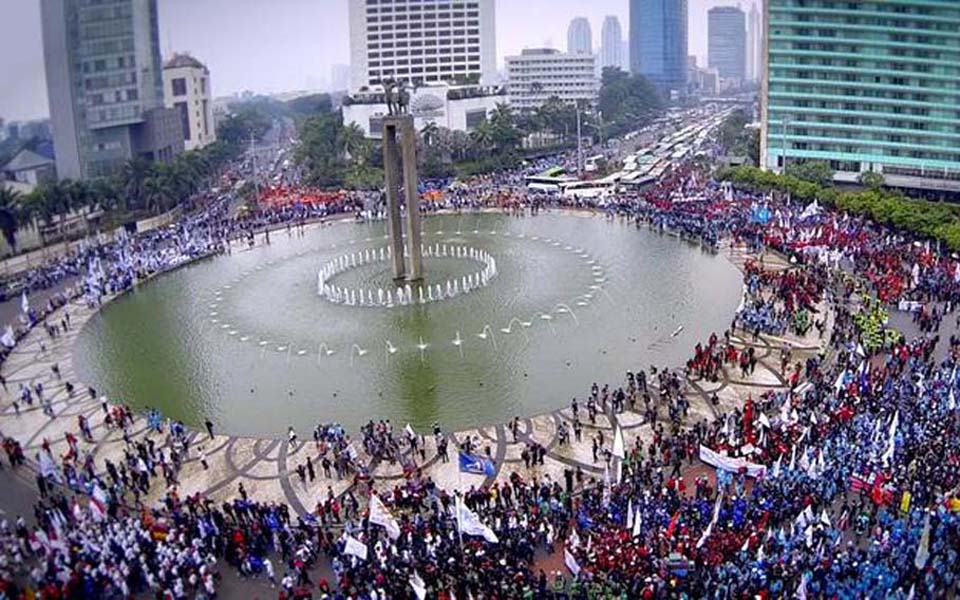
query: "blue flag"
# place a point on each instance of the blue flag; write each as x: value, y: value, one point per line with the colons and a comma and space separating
x: 477, y: 465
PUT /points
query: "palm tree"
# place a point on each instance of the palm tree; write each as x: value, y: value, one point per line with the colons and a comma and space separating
x: 10, y: 209
x: 133, y: 178
x: 429, y: 133
x: 352, y: 142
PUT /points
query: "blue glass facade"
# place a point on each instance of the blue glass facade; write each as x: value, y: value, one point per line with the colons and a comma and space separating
x: 658, y: 42
x: 867, y: 86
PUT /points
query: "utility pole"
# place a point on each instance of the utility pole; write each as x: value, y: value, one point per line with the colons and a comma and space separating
x: 253, y: 163
x: 786, y: 121
x: 579, y: 144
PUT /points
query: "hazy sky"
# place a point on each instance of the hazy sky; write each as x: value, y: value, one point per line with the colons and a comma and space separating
x: 281, y: 45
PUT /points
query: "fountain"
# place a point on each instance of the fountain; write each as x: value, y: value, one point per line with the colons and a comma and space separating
x: 357, y: 351
x: 458, y: 343
x: 488, y: 332
x: 421, y: 347
x: 563, y: 309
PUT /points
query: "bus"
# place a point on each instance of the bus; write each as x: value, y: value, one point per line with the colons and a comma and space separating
x: 547, y: 183
x: 600, y: 188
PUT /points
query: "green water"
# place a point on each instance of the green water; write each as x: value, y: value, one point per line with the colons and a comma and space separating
x: 264, y: 364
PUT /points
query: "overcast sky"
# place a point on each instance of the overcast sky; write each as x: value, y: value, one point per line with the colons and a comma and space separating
x: 283, y: 45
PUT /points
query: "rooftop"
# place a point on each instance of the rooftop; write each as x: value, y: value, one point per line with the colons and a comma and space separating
x: 183, y: 60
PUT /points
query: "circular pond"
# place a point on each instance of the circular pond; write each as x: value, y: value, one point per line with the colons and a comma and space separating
x: 248, y: 341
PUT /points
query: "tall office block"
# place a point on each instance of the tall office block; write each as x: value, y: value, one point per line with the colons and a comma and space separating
x: 727, y: 42
x: 658, y: 43
x: 579, y: 37
x: 105, y: 86
x: 871, y: 87
x: 611, y: 43
x: 422, y: 43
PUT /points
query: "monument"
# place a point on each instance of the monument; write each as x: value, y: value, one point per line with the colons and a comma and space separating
x: 400, y: 170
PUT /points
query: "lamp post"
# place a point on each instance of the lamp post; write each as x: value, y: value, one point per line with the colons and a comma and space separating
x: 786, y: 121
x: 579, y: 144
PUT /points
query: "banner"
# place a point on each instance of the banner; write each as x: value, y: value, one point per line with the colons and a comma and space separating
x: 356, y: 548
x: 476, y: 465
x: 732, y: 465
x: 379, y: 515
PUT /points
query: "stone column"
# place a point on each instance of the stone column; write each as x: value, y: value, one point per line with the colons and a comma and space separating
x: 408, y: 149
x: 391, y: 158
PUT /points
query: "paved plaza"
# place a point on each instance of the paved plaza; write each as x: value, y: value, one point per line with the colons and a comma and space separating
x: 267, y: 467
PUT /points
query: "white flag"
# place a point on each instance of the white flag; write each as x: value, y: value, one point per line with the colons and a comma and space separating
x: 24, y: 304
x: 470, y: 524
x: 419, y: 588
x: 923, y: 550
x: 571, y: 562
x: 379, y: 515
x: 10, y: 340
x: 409, y: 431
x: 630, y: 513
x: 618, y: 449
x: 825, y: 518
x: 356, y: 548
x: 637, y: 524
x: 763, y: 420
x: 606, y: 486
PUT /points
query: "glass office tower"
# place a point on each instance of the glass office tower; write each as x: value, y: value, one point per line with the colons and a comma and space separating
x: 866, y: 86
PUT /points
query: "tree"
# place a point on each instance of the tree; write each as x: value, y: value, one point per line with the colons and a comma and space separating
x: 626, y: 101
x: 872, y: 180
x: 813, y: 171
x: 10, y: 214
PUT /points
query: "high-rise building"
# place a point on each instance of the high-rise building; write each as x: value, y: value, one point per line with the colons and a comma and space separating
x: 873, y: 86
x: 611, y: 43
x: 727, y: 42
x: 186, y: 88
x: 658, y: 43
x: 579, y: 37
x: 422, y: 43
x: 105, y: 85
x: 536, y: 75
x: 754, y: 44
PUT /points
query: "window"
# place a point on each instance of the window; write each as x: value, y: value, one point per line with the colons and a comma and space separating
x: 179, y: 86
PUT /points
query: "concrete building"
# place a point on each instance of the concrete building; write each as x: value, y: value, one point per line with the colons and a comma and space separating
x: 422, y: 43
x: 105, y: 86
x: 536, y: 75
x: 872, y: 87
x: 727, y: 42
x: 611, y: 43
x: 458, y: 108
x: 754, y: 44
x: 658, y: 43
x: 29, y: 168
x: 186, y: 88
x: 579, y: 36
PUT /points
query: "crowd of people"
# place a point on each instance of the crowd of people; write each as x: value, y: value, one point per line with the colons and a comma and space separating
x: 844, y: 482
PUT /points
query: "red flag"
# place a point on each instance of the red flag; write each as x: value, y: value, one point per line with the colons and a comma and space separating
x: 673, y: 524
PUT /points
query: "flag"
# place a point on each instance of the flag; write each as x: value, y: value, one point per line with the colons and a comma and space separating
x: 379, y: 515
x: 618, y: 449
x: 825, y: 518
x: 10, y: 340
x: 355, y: 547
x: 571, y: 562
x: 673, y: 524
x: 47, y: 467
x: 859, y: 484
x: 97, y: 510
x: 923, y: 550
x: 606, y: 486
x: 410, y: 433
x: 574, y: 540
x: 24, y: 304
x: 419, y: 588
x: 476, y: 465
x: 469, y: 523
x: 763, y: 420
x: 630, y: 513
x: 637, y: 523
x: 776, y: 467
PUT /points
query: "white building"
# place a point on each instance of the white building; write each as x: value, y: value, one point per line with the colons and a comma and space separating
x: 424, y: 43
x: 579, y: 37
x: 539, y: 74
x: 186, y: 88
x: 459, y: 108
x: 611, y: 43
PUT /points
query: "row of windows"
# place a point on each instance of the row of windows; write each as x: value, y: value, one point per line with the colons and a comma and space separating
x: 441, y: 33
x: 431, y: 25
x: 896, y: 109
x: 776, y: 146
x: 867, y: 51
x: 858, y: 93
x: 420, y: 61
x: 855, y: 77
x: 445, y: 43
x: 100, y: 65
x: 119, y: 96
x: 387, y: 19
x: 832, y: 124
x: 843, y: 35
x: 100, y: 82
x: 387, y: 72
x: 394, y: 6
x: 455, y: 50
x: 863, y: 136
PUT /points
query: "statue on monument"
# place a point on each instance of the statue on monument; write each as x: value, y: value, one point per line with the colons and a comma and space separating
x: 390, y: 96
x: 403, y: 98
